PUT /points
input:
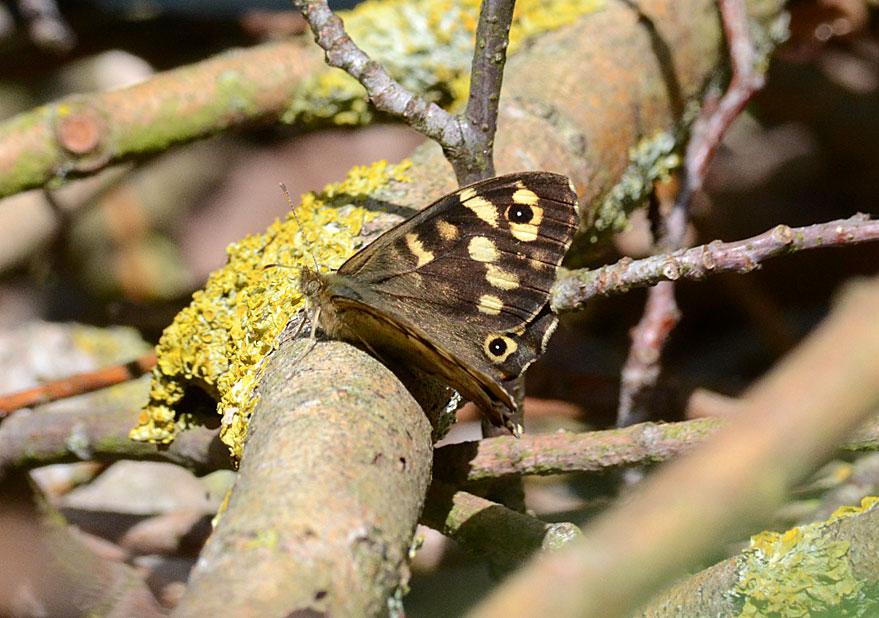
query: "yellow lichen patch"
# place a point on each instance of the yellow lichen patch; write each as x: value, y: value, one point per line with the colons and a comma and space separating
x: 802, y: 572
x: 219, y: 342
x: 426, y: 45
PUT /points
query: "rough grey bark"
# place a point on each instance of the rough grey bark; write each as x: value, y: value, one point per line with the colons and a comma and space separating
x: 331, y: 484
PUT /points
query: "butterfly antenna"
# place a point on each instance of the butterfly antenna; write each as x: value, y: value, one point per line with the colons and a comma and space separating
x: 301, y: 229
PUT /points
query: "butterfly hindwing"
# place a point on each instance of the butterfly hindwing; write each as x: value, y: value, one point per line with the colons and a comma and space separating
x: 471, y: 274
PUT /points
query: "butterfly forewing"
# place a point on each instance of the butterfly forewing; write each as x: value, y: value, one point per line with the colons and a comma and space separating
x: 471, y: 273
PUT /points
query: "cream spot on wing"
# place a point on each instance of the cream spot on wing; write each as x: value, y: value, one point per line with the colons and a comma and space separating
x: 489, y: 304
x: 525, y: 196
x: 482, y: 249
x: 527, y: 232
x: 500, y: 278
x: 467, y: 194
x: 480, y: 206
x: 446, y: 230
x: 499, y: 347
x: 418, y: 250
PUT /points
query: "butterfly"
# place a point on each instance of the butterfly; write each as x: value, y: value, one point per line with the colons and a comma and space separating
x: 461, y: 289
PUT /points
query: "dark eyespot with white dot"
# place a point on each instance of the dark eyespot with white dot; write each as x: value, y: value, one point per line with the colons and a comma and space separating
x: 520, y: 213
x: 497, y: 346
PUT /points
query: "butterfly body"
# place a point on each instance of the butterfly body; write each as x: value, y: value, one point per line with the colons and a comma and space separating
x: 460, y: 289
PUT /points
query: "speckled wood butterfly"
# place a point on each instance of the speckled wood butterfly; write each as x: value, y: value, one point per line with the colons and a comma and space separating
x: 461, y: 289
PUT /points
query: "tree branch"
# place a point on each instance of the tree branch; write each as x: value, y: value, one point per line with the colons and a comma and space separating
x: 577, y: 287
x: 49, y: 571
x: 837, y: 556
x: 490, y: 528
x: 559, y: 453
x: 661, y: 315
x: 332, y: 479
x: 466, y: 140
x: 790, y: 421
x: 716, y: 117
x: 79, y: 135
x: 41, y: 438
x: 384, y: 92
x: 486, y: 77
x: 76, y: 385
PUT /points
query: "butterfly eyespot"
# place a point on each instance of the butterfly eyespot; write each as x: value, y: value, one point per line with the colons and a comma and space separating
x: 497, y: 346
x: 520, y: 213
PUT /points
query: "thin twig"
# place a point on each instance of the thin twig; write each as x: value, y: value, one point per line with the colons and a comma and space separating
x: 743, y: 256
x: 661, y: 314
x: 714, y: 121
x: 486, y: 77
x: 640, y: 372
x: 76, y: 384
x: 467, y: 140
x: 385, y: 93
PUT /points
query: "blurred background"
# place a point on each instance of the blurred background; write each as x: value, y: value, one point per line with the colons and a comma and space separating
x: 130, y: 245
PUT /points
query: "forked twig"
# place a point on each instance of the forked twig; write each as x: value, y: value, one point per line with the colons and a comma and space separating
x: 465, y: 139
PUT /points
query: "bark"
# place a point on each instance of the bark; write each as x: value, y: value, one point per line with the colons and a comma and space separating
x: 99, y: 433
x: 81, y: 134
x: 331, y: 484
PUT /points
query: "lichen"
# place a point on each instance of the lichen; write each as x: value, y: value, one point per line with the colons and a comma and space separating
x: 426, y: 45
x: 651, y: 160
x: 802, y: 572
x: 220, y: 341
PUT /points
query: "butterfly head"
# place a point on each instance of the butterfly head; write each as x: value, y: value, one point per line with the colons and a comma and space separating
x: 310, y: 282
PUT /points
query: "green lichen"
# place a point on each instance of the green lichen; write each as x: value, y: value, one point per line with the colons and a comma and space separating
x: 20, y: 171
x: 426, y: 45
x: 802, y: 572
x: 220, y: 341
x: 651, y: 160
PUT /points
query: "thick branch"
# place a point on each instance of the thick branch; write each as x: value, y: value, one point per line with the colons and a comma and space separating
x: 743, y: 256
x: 818, y: 551
x: 331, y: 482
